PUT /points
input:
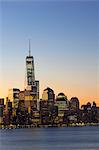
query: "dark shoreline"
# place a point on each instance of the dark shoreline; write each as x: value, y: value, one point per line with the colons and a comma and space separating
x: 47, y: 126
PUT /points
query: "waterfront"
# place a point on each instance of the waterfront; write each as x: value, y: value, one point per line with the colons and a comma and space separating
x: 65, y: 138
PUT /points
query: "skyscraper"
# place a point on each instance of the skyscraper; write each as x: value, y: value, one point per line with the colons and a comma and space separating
x: 32, y: 86
x: 30, y: 69
x: 48, y: 95
x: 74, y: 103
x: 1, y: 110
x: 13, y: 96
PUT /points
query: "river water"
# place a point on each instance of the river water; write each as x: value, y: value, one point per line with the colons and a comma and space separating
x: 67, y: 138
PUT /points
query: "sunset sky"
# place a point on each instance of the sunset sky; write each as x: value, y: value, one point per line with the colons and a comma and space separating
x: 64, y: 42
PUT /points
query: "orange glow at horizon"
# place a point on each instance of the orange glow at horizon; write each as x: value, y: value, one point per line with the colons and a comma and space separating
x: 83, y: 95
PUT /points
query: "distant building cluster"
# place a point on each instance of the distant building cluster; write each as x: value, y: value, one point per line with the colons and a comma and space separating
x: 25, y: 107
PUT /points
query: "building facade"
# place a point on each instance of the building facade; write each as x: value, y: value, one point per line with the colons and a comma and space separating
x: 74, y: 103
x: 31, y: 93
x: 48, y: 95
x: 13, y: 96
x: 1, y: 109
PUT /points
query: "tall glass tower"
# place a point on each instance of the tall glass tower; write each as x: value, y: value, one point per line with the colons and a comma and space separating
x: 30, y: 69
x: 32, y: 85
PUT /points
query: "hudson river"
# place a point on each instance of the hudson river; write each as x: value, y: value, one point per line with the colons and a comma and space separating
x: 67, y: 138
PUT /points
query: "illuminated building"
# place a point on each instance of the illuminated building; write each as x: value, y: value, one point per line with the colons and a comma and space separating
x: 44, y: 111
x: 31, y: 93
x: 8, y: 110
x: 1, y: 109
x: 36, y: 117
x: 63, y: 105
x: 47, y: 106
x: 13, y: 96
x: 74, y: 103
x: 48, y: 95
x: 30, y: 69
x: 62, y: 102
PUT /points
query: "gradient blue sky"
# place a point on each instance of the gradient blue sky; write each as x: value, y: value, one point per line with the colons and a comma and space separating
x: 64, y: 42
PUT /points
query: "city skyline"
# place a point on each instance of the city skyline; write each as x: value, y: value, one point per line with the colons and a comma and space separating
x: 64, y: 38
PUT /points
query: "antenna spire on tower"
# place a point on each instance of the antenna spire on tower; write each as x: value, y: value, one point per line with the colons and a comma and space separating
x: 29, y: 47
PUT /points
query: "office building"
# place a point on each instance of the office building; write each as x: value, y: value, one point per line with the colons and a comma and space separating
x: 1, y: 109
x: 31, y: 93
x: 62, y: 102
x: 48, y: 95
x: 13, y: 96
x: 74, y: 103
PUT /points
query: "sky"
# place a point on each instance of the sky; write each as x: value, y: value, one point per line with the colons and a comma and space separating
x: 64, y: 42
